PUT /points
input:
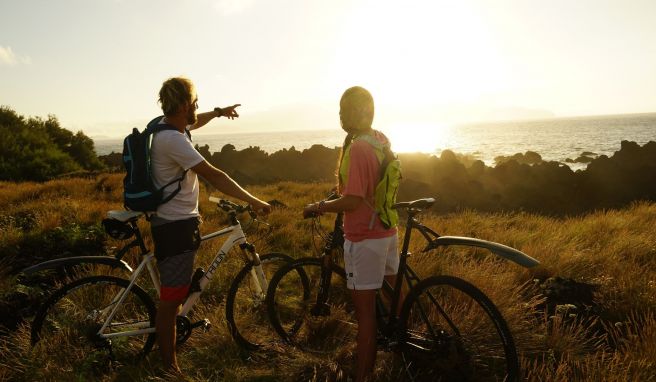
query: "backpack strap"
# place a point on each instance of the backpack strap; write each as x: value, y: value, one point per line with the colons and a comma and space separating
x: 155, y: 126
x: 175, y: 192
x: 388, y: 156
x: 384, y: 148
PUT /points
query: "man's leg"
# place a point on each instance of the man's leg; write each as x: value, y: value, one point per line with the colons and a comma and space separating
x: 165, y: 326
x: 365, y: 313
x: 175, y: 248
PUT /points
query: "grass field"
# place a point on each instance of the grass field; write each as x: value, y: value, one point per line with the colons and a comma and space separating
x: 610, y: 340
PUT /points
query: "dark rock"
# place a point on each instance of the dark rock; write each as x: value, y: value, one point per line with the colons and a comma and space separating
x: 567, y: 294
x: 583, y: 159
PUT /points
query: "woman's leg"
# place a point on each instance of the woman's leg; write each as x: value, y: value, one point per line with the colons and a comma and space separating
x: 365, y: 264
x: 365, y: 313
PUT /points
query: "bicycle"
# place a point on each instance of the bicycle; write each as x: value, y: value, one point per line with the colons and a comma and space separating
x: 113, y: 314
x: 445, y: 328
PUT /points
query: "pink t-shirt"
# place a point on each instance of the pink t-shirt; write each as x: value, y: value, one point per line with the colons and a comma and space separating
x: 363, y: 175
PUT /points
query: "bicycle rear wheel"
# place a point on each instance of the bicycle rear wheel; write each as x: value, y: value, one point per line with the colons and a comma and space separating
x: 451, y: 331
x: 300, y: 318
x: 245, y: 307
x: 65, y: 329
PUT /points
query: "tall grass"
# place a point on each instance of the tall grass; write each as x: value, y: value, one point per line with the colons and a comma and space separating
x: 614, y: 250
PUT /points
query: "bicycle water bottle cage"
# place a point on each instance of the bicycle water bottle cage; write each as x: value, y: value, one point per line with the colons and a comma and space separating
x: 320, y: 310
x: 195, y: 281
x: 117, y: 229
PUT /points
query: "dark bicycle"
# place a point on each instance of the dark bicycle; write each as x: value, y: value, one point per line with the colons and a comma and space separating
x: 447, y: 329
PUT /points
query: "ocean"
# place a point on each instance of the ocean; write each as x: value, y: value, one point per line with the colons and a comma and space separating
x: 554, y: 139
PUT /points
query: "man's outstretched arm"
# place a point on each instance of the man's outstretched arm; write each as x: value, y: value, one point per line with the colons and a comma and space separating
x: 222, y: 182
x: 203, y: 118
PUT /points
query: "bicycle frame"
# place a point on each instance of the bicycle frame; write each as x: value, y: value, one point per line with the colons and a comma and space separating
x: 434, y: 240
x: 336, y: 240
x: 236, y: 237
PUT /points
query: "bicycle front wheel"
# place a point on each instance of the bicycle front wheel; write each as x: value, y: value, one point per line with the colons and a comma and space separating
x: 245, y: 308
x: 65, y: 329
x: 451, y: 331
x: 302, y: 317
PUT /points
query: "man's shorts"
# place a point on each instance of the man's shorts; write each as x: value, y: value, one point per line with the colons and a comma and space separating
x: 366, y: 262
x: 176, y: 243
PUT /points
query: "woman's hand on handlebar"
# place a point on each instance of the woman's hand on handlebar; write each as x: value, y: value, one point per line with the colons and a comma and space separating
x: 312, y: 210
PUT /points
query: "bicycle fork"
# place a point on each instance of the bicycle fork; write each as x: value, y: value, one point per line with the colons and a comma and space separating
x: 321, y: 307
x: 260, y: 282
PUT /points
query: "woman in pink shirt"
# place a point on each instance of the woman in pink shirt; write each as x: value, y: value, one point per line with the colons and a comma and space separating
x: 370, y: 249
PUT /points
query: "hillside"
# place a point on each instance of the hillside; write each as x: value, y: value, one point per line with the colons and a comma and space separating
x: 605, y: 261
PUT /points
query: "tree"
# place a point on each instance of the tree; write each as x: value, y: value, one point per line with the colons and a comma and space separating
x: 34, y: 149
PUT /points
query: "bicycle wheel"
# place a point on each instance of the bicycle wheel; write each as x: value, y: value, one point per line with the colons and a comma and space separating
x: 451, y: 331
x: 297, y: 315
x: 245, y: 308
x: 65, y: 329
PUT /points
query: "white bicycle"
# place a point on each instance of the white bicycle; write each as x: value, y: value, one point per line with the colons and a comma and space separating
x: 114, y: 316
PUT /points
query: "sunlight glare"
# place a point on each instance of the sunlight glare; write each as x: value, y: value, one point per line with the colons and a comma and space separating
x: 423, y: 53
x: 410, y: 137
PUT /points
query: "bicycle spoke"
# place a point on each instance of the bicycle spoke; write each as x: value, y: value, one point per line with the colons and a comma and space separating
x: 302, y: 318
x: 245, y: 307
x: 67, y: 327
x: 452, y: 334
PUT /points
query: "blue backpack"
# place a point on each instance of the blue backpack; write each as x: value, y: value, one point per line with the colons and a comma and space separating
x: 139, y: 191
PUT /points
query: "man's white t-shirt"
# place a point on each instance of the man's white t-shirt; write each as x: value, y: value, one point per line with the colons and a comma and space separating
x: 172, y: 153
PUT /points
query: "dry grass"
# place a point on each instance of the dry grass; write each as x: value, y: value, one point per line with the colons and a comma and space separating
x: 615, y: 250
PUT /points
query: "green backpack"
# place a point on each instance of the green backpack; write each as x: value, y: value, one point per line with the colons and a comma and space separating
x: 388, y: 185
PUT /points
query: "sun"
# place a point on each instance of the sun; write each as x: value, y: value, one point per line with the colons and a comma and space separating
x: 420, y: 61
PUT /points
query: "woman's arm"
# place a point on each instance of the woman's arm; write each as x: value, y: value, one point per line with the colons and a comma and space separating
x: 344, y: 203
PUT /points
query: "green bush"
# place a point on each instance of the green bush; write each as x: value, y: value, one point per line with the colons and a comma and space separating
x: 39, y: 150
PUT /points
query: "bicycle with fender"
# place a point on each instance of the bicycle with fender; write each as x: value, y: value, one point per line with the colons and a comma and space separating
x: 104, y: 313
x: 444, y: 328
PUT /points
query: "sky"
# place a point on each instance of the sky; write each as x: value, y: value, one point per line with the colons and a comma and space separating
x: 98, y: 65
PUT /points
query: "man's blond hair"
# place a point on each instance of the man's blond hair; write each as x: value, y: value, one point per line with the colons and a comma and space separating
x: 176, y: 92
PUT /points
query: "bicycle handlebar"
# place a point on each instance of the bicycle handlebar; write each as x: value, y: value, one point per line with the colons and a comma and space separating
x: 229, y: 206
x: 332, y: 196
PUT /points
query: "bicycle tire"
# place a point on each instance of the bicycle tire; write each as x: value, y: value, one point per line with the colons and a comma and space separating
x: 296, y: 317
x: 473, y: 344
x: 245, y: 310
x: 65, y: 328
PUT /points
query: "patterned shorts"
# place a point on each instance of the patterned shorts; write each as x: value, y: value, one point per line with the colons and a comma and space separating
x: 176, y: 243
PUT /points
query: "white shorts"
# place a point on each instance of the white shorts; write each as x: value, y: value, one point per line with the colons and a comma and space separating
x: 366, y: 262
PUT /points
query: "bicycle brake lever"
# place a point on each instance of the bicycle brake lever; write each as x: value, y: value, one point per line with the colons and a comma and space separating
x: 261, y: 222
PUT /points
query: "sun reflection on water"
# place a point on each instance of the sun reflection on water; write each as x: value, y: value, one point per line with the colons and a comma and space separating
x: 424, y: 138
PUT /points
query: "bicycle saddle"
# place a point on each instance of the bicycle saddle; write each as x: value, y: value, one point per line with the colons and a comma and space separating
x: 415, y: 204
x: 122, y: 215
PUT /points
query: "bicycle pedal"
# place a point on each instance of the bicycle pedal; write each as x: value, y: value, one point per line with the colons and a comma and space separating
x: 320, y: 309
x: 204, y: 323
